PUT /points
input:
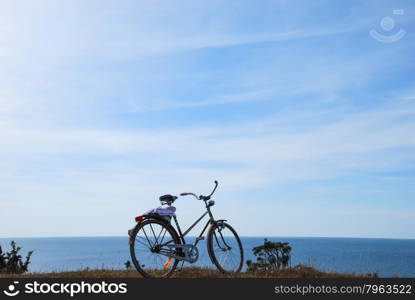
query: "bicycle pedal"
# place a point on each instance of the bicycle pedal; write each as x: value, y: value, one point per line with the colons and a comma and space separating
x: 200, y: 238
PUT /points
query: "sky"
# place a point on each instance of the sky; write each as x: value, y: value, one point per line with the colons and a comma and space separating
x: 304, y: 117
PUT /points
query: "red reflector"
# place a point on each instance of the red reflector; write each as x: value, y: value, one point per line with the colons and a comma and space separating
x: 138, y: 218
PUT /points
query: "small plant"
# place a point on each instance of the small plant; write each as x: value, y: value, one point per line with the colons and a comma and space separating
x: 270, y: 256
x: 11, y: 262
x: 127, y: 265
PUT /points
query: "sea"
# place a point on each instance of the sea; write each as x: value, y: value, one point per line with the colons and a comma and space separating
x: 387, y: 257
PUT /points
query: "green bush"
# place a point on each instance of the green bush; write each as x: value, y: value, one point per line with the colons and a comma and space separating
x: 11, y: 262
x: 270, y: 256
x: 127, y: 265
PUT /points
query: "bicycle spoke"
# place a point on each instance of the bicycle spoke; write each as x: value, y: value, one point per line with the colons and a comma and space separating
x: 158, y: 236
x: 140, y: 242
x: 147, y: 237
x: 156, y: 242
x: 163, y: 236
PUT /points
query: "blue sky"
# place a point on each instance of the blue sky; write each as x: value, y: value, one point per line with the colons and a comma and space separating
x: 305, y: 119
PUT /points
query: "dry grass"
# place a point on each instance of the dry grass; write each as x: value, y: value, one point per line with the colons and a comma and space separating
x: 300, y: 271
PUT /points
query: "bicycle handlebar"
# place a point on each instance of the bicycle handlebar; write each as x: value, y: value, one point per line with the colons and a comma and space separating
x: 214, y: 189
x: 201, y: 197
x: 187, y: 194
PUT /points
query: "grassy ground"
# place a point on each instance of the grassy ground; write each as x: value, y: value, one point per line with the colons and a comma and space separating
x: 194, y: 272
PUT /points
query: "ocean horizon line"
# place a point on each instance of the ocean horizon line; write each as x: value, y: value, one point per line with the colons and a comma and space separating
x: 242, y: 236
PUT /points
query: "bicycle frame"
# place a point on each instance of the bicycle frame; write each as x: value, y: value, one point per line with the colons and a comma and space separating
x: 200, y: 237
x: 210, y: 221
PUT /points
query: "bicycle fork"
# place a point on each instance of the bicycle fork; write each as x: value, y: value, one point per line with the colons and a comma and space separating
x: 227, y: 248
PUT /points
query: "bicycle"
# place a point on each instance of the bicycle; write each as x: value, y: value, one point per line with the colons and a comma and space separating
x: 156, y: 247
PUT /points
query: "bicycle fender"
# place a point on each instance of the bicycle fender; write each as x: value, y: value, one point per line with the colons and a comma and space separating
x: 220, y: 221
x: 146, y: 217
x: 157, y: 217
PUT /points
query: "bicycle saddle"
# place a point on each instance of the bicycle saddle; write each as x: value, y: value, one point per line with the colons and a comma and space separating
x: 167, y: 199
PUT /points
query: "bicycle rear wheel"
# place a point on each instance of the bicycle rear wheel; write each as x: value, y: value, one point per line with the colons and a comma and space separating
x: 225, y: 248
x: 150, y: 251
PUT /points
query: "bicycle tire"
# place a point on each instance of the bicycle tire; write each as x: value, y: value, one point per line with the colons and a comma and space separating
x: 138, y: 266
x: 211, y: 248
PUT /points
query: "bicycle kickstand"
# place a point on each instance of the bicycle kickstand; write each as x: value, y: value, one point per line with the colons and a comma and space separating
x: 181, y: 267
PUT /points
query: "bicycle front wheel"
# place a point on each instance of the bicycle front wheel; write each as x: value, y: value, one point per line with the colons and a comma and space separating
x: 225, y: 248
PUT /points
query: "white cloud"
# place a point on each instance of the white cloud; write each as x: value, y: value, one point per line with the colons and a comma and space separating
x: 246, y: 146
x: 69, y: 68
